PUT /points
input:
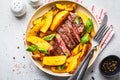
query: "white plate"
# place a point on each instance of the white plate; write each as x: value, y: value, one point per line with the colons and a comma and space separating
x: 40, y: 11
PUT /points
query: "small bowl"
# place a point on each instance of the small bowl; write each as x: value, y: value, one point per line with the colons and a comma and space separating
x: 110, y: 66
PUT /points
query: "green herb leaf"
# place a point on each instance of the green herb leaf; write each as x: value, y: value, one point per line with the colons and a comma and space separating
x: 49, y: 37
x: 89, y: 25
x: 77, y: 20
x: 85, y: 38
x: 66, y: 54
x: 61, y: 67
x: 42, y: 50
x: 31, y: 48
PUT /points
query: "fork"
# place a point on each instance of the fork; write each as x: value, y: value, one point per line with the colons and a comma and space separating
x: 79, y: 73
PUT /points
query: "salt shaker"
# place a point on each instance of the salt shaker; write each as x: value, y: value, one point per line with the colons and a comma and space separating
x: 18, y: 8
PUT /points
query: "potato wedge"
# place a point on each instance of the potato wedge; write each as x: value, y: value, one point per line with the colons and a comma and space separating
x: 48, y: 21
x: 55, y: 10
x: 39, y: 21
x: 77, y: 49
x: 69, y: 59
x: 86, y: 48
x: 58, y: 19
x: 34, y: 31
x: 83, y: 16
x: 44, y: 22
x: 38, y: 42
x: 54, y: 60
x: 66, y: 6
x: 73, y: 64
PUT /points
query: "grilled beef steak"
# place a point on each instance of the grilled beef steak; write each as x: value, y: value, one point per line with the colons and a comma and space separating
x: 68, y: 35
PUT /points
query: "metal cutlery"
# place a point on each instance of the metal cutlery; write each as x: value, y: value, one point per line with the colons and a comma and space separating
x: 80, y: 71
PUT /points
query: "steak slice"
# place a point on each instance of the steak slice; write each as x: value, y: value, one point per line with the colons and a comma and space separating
x: 74, y: 33
x: 62, y: 44
x: 68, y: 33
x: 66, y: 36
x: 55, y: 50
x: 80, y: 27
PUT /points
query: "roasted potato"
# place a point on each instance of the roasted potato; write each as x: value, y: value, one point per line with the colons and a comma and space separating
x: 34, y: 31
x: 86, y: 48
x: 83, y: 16
x: 54, y: 60
x: 58, y: 19
x: 38, y: 42
x: 73, y: 64
x: 47, y: 21
x: 66, y: 6
x: 55, y: 10
x: 77, y: 49
x: 44, y: 22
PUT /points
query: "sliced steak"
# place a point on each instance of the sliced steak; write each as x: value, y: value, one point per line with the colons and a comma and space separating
x: 66, y: 36
x: 68, y: 33
x: 62, y: 44
x: 55, y: 50
x: 74, y: 33
x: 80, y: 27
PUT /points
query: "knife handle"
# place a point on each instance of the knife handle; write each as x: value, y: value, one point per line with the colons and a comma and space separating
x: 84, y: 66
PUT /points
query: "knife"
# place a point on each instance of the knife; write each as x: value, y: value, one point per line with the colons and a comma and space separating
x: 104, y: 21
x: 75, y: 74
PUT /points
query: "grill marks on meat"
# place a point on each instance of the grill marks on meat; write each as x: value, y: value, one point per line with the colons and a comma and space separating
x: 68, y: 36
x: 55, y: 50
x: 74, y: 34
x: 62, y: 44
x: 80, y: 27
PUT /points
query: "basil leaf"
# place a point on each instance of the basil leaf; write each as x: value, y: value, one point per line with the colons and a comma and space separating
x: 89, y: 25
x: 77, y: 20
x: 31, y: 48
x: 42, y: 50
x: 61, y: 67
x: 49, y: 37
x: 85, y: 38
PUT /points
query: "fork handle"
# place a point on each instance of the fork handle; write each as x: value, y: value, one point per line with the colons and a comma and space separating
x: 84, y: 65
x: 79, y: 73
